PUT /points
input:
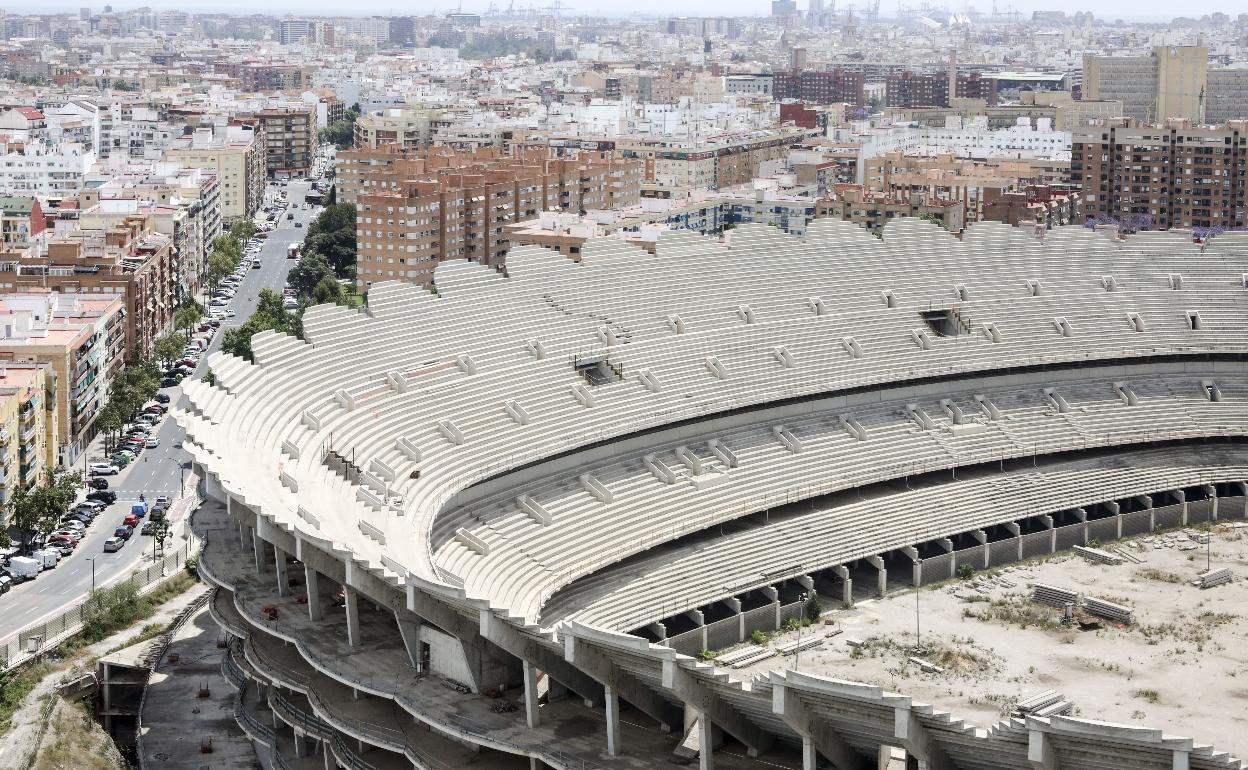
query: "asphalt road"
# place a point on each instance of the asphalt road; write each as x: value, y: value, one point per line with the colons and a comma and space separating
x: 157, y: 471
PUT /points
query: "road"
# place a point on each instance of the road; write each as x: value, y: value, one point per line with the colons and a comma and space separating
x: 157, y: 471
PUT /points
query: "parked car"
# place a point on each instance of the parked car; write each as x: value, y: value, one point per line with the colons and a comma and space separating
x: 114, y: 544
x: 97, y: 483
x: 124, y: 532
x: 25, y: 567
x: 49, y: 557
x: 162, y: 397
x: 122, y: 459
x: 170, y: 382
x: 103, y: 495
x: 152, y: 443
x: 103, y: 469
x: 163, y: 500
x: 131, y: 520
x: 6, y: 584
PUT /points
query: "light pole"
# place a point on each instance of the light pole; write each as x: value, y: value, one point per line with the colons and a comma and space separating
x: 92, y: 574
x: 797, y: 654
x: 181, y: 473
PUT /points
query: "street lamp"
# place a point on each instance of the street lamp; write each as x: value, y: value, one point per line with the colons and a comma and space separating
x: 92, y: 559
x: 181, y: 474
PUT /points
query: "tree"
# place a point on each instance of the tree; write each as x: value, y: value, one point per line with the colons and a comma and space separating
x: 219, y: 266
x: 168, y: 348
x: 269, y: 315
x: 34, y: 513
x: 332, y: 234
x: 332, y: 198
x: 109, y: 422
x: 327, y: 290
x: 308, y: 272
x: 242, y: 230
x: 187, y: 317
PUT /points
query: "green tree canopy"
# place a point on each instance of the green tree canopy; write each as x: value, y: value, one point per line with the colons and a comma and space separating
x: 168, y: 348
x: 33, y: 513
x: 269, y: 315
x: 308, y: 272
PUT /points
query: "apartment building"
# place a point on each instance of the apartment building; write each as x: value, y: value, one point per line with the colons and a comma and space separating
x: 912, y: 89
x: 716, y: 162
x: 456, y: 205
x: 1163, y: 176
x: 289, y: 138
x: 20, y: 220
x: 826, y: 87
x: 28, y: 425
x: 404, y: 127
x: 54, y: 172
x: 1170, y: 82
x: 238, y: 155
x: 185, y: 203
x: 854, y: 204
x: 116, y: 251
x: 947, y: 177
x: 82, y: 340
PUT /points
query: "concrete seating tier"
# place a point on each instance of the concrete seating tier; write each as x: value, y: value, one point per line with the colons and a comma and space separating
x: 424, y: 396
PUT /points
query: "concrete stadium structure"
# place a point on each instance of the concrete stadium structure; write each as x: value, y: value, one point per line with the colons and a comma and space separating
x: 494, y: 525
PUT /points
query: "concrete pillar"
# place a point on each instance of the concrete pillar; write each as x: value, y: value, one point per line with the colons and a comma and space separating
x: 352, y: 601
x: 847, y: 586
x: 659, y: 630
x: 699, y: 620
x: 706, y: 743
x: 806, y: 581
x: 1081, y: 514
x: 312, y: 579
x: 1212, y: 491
x: 882, y: 577
x: 301, y: 749
x: 242, y: 536
x: 916, y: 569
x: 1047, y: 521
x: 328, y: 754
x: 257, y: 547
x: 810, y: 759
x: 1183, y: 502
x: 279, y: 561
x: 774, y: 597
x: 734, y: 604
x: 612, y: 700
x: 1014, y: 529
x: 532, y: 717
x: 1182, y: 760
x: 981, y: 537
x: 946, y: 545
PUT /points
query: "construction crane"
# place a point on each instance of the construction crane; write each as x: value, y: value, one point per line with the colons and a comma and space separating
x: 872, y: 12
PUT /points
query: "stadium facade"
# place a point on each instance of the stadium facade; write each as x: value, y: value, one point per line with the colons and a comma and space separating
x: 493, y: 526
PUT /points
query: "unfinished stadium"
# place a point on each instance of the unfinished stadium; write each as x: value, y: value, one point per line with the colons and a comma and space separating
x: 497, y: 525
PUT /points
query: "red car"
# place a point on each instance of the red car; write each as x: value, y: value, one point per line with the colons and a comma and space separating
x: 130, y: 521
x: 66, y: 539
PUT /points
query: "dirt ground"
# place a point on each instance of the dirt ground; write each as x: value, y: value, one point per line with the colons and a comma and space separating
x: 1182, y: 665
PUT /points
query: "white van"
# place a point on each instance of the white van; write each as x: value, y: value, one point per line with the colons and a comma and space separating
x: 47, y: 556
x: 25, y: 567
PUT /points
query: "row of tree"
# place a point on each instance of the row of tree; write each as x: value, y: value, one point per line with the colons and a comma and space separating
x: 227, y: 252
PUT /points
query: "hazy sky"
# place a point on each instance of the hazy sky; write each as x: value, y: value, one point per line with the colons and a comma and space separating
x: 1147, y: 10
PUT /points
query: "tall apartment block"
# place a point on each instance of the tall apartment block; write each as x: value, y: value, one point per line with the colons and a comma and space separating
x: 912, y: 89
x: 1160, y: 177
x: 1170, y: 82
x: 456, y: 205
x: 828, y: 87
x: 290, y: 139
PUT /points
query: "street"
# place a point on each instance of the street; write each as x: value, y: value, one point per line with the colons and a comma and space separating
x: 157, y: 471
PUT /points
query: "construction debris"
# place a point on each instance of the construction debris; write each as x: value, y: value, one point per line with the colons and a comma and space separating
x: 1214, y: 577
x: 1042, y: 704
x: 1053, y: 596
x: 1108, y: 610
x: 1097, y: 555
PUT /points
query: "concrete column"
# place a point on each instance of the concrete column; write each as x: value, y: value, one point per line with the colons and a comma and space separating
x: 257, y: 547
x: 242, y: 536
x: 1047, y: 521
x: 612, y: 700
x: 1040, y: 751
x: 279, y: 561
x: 532, y: 717
x: 810, y: 759
x: 1182, y: 760
x: 916, y: 570
x: 1081, y: 514
x: 706, y: 743
x: 981, y: 537
x: 328, y: 754
x: 659, y: 630
x: 946, y: 545
x: 1183, y: 502
x: 734, y: 604
x: 847, y: 587
x: 1212, y: 491
x: 1014, y: 529
x: 882, y: 577
x: 312, y: 580
x: 301, y: 749
x: 806, y: 581
x: 700, y: 619
x: 774, y: 597
x: 352, y: 601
